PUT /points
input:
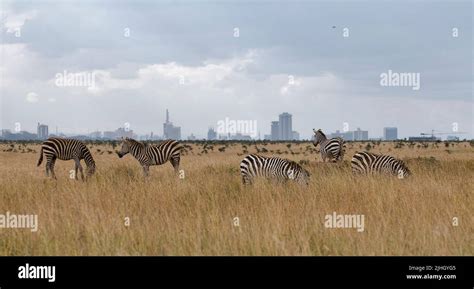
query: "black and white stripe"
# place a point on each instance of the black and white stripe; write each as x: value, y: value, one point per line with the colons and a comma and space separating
x: 66, y: 149
x: 333, y: 148
x: 253, y: 166
x: 150, y: 155
x: 368, y: 163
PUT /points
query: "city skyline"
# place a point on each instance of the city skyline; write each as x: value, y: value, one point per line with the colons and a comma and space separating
x: 388, y: 133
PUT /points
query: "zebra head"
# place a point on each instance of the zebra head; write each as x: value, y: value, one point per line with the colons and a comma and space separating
x: 402, y: 170
x: 304, y: 177
x: 298, y: 174
x: 319, y: 136
x: 90, y: 171
x: 125, y: 147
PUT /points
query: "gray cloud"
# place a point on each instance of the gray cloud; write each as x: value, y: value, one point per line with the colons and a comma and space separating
x: 241, y: 78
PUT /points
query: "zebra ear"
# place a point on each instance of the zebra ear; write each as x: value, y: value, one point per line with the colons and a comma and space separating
x: 314, y: 130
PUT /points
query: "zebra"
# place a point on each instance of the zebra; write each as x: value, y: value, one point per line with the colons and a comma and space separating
x: 369, y: 163
x: 66, y: 149
x: 273, y: 168
x: 333, y: 148
x: 150, y: 155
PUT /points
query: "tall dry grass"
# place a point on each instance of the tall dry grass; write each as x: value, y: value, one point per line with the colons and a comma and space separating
x: 196, y: 215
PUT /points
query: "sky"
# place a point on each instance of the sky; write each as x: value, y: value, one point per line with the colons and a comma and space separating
x: 205, y: 61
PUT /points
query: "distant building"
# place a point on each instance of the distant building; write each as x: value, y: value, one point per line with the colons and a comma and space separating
x: 275, y: 131
x: 423, y: 138
x: 295, y: 135
x: 95, y: 135
x: 452, y: 137
x: 5, y: 133
x: 192, y: 137
x: 109, y: 135
x: 155, y: 137
x: 390, y: 133
x: 169, y: 130
x: 267, y: 137
x: 118, y: 133
x: 357, y: 135
x: 123, y: 133
x: 211, y: 134
x: 42, y: 131
x: 285, y: 126
x: 348, y: 136
x: 361, y: 135
x: 239, y: 136
x: 22, y: 135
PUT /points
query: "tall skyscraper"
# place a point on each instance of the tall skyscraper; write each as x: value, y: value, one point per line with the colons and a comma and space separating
x: 390, y: 133
x: 295, y: 135
x: 286, y: 127
x: 361, y: 134
x: 275, y: 132
x: 211, y: 134
x: 42, y: 131
x: 169, y: 130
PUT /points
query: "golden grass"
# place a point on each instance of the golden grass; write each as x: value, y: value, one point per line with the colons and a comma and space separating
x: 195, y: 215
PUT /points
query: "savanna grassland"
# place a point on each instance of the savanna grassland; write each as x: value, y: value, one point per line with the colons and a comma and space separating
x: 209, y: 211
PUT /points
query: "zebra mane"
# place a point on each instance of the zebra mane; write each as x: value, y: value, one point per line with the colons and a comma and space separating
x: 402, y: 163
x: 132, y: 141
x: 321, y: 132
x: 294, y: 165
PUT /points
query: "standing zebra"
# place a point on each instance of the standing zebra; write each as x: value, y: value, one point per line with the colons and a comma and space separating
x: 66, y: 149
x: 330, y: 148
x: 150, y: 155
x: 368, y: 163
x: 271, y: 167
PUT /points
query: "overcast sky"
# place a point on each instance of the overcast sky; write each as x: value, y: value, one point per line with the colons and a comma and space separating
x: 147, y: 56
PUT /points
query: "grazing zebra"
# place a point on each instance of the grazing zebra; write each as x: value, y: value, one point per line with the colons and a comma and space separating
x: 273, y: 168
x: 330, y: 148
x: 150, y: 155
x: 368, y: 163
x: 66, y: 149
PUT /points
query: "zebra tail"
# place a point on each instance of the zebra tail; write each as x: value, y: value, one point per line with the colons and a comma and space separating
x: 41, y: 157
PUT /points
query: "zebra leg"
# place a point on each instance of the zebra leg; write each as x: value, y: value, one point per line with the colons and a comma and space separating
x: 51, y: 167
x: 48, y: 164
x: 175, y: 162
x: 146, y: 170
x: 47, y: 167
x: 78, y: 166
x: 246, y: 180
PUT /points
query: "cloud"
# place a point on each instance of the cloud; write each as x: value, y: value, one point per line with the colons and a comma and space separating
x: 32, y: 97
x: 15, y: 21
x: 208, y: 75
x: 198, y: 70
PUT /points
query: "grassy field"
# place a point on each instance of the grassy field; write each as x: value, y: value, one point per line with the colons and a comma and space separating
x: 209, y: 212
